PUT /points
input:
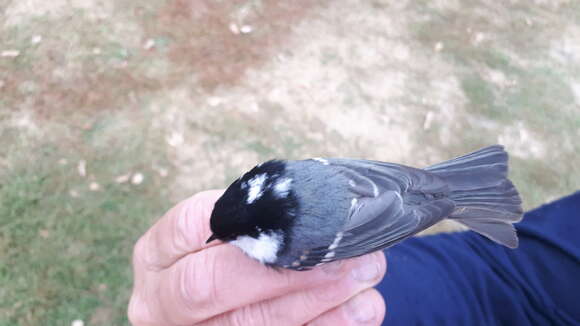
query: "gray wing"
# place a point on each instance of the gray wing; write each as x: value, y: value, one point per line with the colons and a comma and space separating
x: 390, y: 203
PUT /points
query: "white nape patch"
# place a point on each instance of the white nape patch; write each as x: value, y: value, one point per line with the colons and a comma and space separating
x: 352, y: 183
x: 282, y: 187
x: 264, y: 248
x: 321, y: 160
x: 336, y: 241
x: 256, y: 187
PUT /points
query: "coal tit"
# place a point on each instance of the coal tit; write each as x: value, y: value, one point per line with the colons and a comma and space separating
x: 300, y: 214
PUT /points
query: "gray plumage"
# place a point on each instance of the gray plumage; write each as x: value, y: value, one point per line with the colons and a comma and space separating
x: 394, y: 202
x: 347, y: 207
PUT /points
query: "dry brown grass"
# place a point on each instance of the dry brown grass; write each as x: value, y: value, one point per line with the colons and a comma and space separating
x: 203, y: 45
x: 175, y: 91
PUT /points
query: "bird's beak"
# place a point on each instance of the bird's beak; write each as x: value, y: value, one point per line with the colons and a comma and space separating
x: 212, y: 238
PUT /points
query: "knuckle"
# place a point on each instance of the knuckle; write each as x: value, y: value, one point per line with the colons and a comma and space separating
x: 189, y: 223
x: 144, y: 254
x: 334, y: 292
x: 136, y: 313
x: 197, y: 285
x: 257, y: 315
x: 137, y: 319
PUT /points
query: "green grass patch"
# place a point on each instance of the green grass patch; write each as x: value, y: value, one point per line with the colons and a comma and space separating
x: 540, y: 182
x: 65, y: 249
x: 540, y: 95
x: 478, y: 91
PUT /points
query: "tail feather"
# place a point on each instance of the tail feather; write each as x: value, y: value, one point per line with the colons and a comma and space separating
x: 499, y: 232
x: 486, y: 201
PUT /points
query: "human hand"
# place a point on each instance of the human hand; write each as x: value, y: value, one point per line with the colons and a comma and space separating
x: 180, y: 280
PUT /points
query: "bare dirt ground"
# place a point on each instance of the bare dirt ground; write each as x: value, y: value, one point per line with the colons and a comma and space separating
x: 161, y: 99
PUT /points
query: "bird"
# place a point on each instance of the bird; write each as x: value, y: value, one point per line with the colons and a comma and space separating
x: 298, y: 214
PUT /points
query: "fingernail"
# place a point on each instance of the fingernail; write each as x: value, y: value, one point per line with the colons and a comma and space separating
x: 360, y: 310
x: 332, y: 268
x: 367, y: 270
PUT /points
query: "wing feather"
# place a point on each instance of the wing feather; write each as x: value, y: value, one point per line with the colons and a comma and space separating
x: 392, y: 202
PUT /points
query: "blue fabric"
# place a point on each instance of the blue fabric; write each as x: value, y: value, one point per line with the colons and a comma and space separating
x: 465, y: 279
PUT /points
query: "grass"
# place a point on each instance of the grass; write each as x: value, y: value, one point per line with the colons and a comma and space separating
x: 100, y: 97
x: 64, y: 249
x: 536, y: 94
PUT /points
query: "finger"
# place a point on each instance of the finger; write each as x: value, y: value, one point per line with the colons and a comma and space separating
x: 367, y: 308
x: 182, y: 230
x: 300, y: 307
x: 222, y: 278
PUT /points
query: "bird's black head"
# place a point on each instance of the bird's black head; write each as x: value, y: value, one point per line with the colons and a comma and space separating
x: 262, y: 200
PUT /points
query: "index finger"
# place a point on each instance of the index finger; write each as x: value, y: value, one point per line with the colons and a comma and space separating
x: 181, y: 231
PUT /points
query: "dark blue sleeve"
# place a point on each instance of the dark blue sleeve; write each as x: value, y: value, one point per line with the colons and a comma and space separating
x: 465, y: 279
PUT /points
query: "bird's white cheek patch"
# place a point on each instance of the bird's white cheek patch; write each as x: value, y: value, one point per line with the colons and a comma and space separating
x: 263, y: 249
